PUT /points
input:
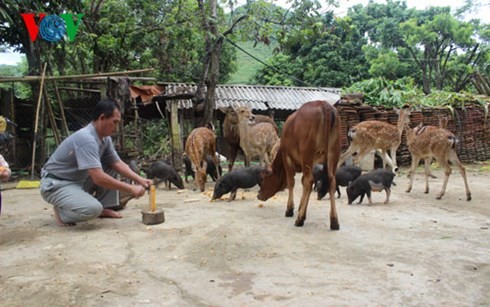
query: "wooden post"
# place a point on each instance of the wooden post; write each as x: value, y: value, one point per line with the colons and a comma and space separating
x: 36, y: 122
x: 12, y: 116
x: 176, y: 143
x: 62, y: 110
x: 52, y: 119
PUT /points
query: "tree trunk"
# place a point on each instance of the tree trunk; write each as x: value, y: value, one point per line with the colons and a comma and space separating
x: 210, y: 75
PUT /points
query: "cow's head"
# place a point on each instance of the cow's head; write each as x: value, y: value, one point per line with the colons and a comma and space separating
x: 273, y: 179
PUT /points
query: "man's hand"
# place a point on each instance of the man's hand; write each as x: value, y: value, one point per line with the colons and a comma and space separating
x: 137, y: 190
x: 146, y: 183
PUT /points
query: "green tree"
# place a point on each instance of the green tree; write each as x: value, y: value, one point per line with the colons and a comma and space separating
x: 433, y: 41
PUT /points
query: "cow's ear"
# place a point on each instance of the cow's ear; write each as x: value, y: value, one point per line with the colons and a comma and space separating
x: 266, y: 171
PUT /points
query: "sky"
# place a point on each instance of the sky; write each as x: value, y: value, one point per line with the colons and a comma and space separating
x: 483, y: 14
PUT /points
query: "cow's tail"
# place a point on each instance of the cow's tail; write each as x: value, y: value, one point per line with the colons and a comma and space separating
x: 329, y: 124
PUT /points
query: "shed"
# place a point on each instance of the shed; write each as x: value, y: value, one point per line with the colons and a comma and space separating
x: 261, y: 99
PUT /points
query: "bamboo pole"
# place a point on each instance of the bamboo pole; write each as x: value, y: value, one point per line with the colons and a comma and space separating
x: 106, y: 74
x: 36, y: 122
x: 75, y: 89
x: 62, y: 110
x: 52, y: 119
x: 12, y: 116
x: 174, y: 127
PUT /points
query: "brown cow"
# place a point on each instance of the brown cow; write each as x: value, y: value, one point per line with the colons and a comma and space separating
x: 232, y: 135
x: 310, y: 135
x: 200, y: 143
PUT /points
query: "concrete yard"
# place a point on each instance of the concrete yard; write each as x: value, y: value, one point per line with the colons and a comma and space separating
x: 414, y: 251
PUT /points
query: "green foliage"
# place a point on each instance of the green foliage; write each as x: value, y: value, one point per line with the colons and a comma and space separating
x: 402, y: 92
x: 383, y: 92
x: 155, y: 138
x: 21, y: 90
x: 248, y: 66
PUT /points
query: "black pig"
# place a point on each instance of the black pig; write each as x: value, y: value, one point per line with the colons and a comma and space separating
x: 188, y: 168
x: 344, y: 175
x: 243, y: 178
x: 133, y: 165
x: 161, y: 171
x: 211, y: 168
x: 377, y: 181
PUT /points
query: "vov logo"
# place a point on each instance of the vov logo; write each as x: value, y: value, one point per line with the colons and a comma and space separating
x: 52, y: 28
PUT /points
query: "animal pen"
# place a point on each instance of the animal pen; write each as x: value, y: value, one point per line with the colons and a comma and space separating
x: 66, y: 103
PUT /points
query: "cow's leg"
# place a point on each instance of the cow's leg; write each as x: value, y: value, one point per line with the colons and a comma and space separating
x: 334, y: 220
x: 415, y: 163
x: 307, y: 182
x: 290, y: 172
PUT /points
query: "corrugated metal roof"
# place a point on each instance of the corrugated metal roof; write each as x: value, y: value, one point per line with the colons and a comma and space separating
x: 258, y: 97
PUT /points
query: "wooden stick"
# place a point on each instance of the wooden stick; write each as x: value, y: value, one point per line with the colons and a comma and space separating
x: 36, y: 78
x: 51, y: 117
x: 62, y: 110
x: 37, y: 120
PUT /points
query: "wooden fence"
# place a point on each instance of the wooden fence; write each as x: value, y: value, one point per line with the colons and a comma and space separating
x: 468, y: 124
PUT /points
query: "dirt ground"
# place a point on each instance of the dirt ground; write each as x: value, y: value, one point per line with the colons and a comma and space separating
x: 415, y: 251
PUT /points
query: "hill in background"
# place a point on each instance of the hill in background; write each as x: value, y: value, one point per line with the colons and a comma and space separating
x: 246, y: 65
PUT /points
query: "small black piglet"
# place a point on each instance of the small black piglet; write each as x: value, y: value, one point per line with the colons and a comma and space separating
x: 161, y: 171
x: 376, y: 181
x: 241, y: 178
x: 344, y: 175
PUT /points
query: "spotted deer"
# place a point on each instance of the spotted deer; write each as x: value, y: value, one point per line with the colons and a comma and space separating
x: 200, y: 143
x: 255, y: 140
x: 443, y: 122
x: 231, y: 133
x: 373, y: 134
x: 432, y: 141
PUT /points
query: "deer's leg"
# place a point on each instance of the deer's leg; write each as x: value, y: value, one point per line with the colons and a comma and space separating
x: 428, y: 161
x: 447, y: 172
x: 387, y: 159
x: 362, y: 152
x: 216, y: 164
x: 352, y: 148
x: 455, y: 160
x: 427, y: 174
x: 415, y: 163
x: 233, y: 153
x: 394, y: 166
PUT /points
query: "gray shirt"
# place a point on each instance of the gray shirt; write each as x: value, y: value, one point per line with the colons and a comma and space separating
x: 79, y: 152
